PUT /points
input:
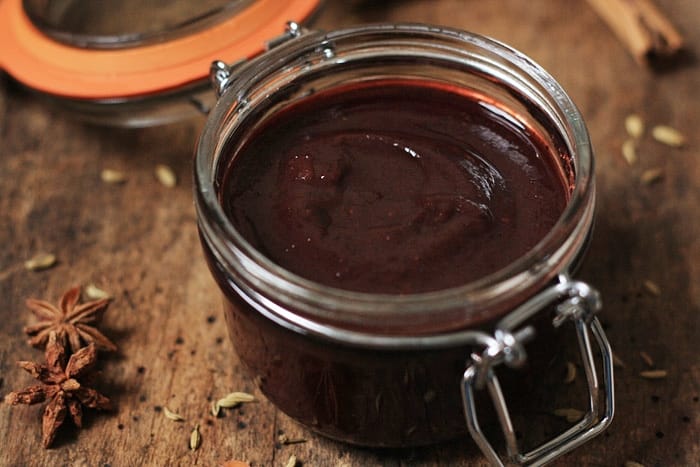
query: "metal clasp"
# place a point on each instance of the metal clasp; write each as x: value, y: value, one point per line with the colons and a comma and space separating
x: 221, y: 73
x: 578, y: 303
x: 291, y: 31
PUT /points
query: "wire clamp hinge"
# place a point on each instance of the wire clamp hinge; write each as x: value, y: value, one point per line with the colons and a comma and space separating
x: 575, y: 302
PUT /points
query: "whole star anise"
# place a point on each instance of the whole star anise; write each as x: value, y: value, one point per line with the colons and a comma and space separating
x: 73, y: 323
x: 63, y: 384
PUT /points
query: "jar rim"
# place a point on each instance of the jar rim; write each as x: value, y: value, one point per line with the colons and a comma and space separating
x: 323, y: 309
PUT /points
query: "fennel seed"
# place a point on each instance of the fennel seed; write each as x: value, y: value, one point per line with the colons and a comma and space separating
x: 215, y: 409
x: 647, y: 358
x: 286, y: 440
x: 654, y: 374
x: 172, y: 415
x: 667, y: 135
x: 617, y: 361
x: 165, y: 176
x: 95, y: 293
x: 634, y: 126
x: 629, y: 151
x: 113, y: 177
x: 40, y: 262
x: 195, y: 438
x: 652, y: 176
x: 652, y: 287
x: 234, y: 399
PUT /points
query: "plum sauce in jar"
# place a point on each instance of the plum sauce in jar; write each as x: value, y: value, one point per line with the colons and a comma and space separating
x: 390, y: 211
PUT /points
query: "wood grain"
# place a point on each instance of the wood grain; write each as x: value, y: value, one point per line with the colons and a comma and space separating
x: 138, y: 240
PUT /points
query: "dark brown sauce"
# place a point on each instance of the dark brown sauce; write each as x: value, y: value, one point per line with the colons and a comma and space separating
x: 394, y: 187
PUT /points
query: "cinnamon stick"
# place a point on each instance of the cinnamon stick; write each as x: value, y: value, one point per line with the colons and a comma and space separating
x: 641, y: 26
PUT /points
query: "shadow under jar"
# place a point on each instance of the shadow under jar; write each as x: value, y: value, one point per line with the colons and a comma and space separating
x: 390, y: 211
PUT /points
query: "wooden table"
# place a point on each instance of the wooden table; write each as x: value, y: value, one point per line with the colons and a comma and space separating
x: 138, y: 240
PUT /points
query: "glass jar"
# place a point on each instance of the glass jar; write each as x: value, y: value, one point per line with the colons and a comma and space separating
x: 400, y: 370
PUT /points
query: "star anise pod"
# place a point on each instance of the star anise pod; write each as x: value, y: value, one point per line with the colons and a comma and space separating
x: 72, y: 322
x: 62, y: 382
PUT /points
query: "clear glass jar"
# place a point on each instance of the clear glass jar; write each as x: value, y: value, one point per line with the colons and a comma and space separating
x: 379, y: 369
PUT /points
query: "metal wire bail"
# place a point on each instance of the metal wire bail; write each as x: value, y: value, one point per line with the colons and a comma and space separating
x: 578, y: 303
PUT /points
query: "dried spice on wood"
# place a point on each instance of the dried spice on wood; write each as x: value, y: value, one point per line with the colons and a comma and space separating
x: 40, y: 262
x: 64, y: 382
x: 195, y: 438
x: 74, y: 323
x: 166, y: 176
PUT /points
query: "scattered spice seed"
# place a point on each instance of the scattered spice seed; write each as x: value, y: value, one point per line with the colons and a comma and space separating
x: 647, y: 358
x: 215, y: 409
x: 634, y: 126
x: 195, y: 438
x: 113, y: 177
x: 633, y: 464
x: 284, y: 439
x: 292, y: 462
x: 652, y: 287
x: 172, y: 415
x: 95, y: 293
x: 40, y: 262
x: 166, y: 176
x: 571, y: 415
x: 617, y: 361
x: 654, y: 374
x: 570, y: 373
x: 234, y: 399
x: 669, y: 136
x: 652, y: 176
x: 629, y: 151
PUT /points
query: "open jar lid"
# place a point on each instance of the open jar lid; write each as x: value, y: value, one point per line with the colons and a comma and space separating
x: 128, y: 55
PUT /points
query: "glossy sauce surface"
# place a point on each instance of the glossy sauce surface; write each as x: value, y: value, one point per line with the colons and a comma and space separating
x: 393, y: 187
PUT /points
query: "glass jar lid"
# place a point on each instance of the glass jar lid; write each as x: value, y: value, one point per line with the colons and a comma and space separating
x: 126, y: 23
x: 84, y: 51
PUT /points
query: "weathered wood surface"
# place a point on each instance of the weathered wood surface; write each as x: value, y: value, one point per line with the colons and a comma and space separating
x: 138, y: 240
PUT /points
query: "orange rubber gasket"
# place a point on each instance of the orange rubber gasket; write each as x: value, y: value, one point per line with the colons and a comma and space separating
x: 44, y: 64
